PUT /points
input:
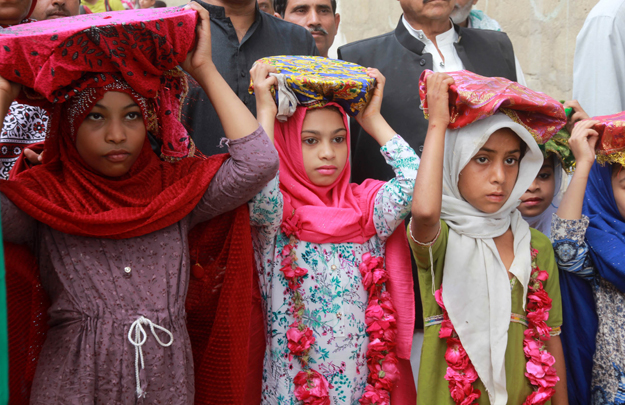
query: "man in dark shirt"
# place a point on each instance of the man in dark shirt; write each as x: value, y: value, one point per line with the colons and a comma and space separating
x: 240, y: 35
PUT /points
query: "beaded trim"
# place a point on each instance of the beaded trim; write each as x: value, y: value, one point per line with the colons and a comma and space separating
x: 516, y: 318
x: 433, y: 241
x: 433, y: 320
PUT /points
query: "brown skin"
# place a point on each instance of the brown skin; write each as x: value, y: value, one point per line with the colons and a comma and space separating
x: 426, y: 214
x: 12, y: 12
x: 578, y: 114
x: 111, y: 137
x: 582, y: 143
x: 266, y: 6
x: 488, y: 179
x: 460, y: 15
x: 318, y: 18
x: 52, y: 9
x: 539, y: 195
x: 146, y: 3
x: 324, y: 145
x: 618, y: 188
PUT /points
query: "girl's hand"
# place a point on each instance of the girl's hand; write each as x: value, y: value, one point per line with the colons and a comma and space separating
x: 266, y: 108
x: 582, y: 143
x: 263, y: 83
x: 201, y: 56
x: 372, y: 110
x: 8, y: 91
x: 438, y: 98
x: 578, y: 114
x: 370, y: 119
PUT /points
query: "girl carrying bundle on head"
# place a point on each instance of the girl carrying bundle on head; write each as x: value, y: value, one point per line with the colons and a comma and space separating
x: 588, y: 234
x: 321, y: 246
x: 109, y: 221
x: 489, y: 284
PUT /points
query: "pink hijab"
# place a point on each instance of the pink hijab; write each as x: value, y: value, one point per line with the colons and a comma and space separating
x: 340, y: 213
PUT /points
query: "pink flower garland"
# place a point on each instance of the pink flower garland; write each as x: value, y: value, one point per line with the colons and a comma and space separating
x: 311, y: 387
x: 539, y: 368
x: 380, y: 318
x: 460, y: 372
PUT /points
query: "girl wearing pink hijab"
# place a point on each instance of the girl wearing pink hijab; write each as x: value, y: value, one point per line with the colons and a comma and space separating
x: 337, y: 297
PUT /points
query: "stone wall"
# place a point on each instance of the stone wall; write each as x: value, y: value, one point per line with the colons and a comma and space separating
x: 543, y: 33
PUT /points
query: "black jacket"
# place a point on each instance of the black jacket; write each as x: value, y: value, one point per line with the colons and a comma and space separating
x: 268, y: 36
x: 400, y: 58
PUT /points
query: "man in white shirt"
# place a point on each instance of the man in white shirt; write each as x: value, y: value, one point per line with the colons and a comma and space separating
x: 599, y: 67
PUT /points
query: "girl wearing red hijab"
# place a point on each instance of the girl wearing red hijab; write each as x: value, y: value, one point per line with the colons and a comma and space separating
x: 109, y: 224
x: 320, y: 244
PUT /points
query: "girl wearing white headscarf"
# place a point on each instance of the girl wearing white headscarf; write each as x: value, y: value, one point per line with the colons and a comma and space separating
x: 480, y: 257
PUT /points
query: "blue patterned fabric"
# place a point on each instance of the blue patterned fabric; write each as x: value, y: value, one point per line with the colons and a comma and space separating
x: 316, y: 81
x: 606, y: 233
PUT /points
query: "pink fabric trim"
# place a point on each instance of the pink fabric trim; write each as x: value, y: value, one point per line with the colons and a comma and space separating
x: 405, y: 392
x: 401, y: 287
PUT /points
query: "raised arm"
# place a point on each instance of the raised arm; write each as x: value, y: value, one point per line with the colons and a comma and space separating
x: 428, y: 190
x: 236, y: 120
x: 266, y: 108
x: 582, y: 143
x: 253, y: 163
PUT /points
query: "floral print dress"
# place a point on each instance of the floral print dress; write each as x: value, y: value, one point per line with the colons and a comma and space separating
x: 572, y: 255
x: 333, y: 293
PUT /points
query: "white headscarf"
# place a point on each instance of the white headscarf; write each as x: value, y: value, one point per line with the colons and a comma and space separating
x: 542, y: 222
x: 476, y: 287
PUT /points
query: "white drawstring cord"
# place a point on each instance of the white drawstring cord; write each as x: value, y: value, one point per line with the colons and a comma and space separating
x: 429, y: 246
x: 139, y: 340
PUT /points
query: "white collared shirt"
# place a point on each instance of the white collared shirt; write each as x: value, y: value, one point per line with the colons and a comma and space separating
x: 445, y: 42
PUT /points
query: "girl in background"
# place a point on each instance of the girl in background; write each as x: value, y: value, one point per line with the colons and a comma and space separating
x: 588, y: 235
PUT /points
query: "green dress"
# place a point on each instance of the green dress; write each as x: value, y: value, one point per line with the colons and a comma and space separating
x: 433, y: 388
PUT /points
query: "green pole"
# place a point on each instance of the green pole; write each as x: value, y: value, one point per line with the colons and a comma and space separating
x: 4, y: 336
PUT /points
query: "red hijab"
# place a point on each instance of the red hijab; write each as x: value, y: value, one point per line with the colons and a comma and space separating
x: 69, y: 196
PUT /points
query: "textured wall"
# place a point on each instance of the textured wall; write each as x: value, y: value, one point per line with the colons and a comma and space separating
x: 543, y: 33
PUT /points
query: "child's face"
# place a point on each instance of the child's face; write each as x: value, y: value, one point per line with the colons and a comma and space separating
x: 539, y: 195
x: 111, y: 137
x: 324, y: 145
x: 146, y: 3
x: 618, y: 187
x: 488, y: 179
